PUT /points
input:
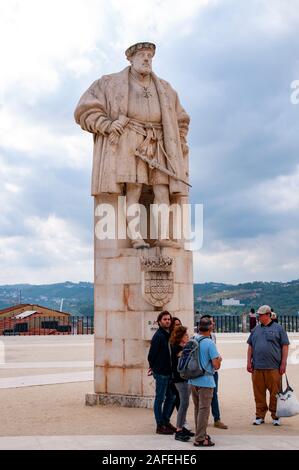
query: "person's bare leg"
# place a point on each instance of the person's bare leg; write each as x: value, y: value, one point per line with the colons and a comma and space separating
x: 133, y: 195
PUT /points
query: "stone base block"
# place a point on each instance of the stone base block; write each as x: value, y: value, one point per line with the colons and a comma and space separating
x: 129, y: 401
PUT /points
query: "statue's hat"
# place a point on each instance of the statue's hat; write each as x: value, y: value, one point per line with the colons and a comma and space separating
x: 139, y: 46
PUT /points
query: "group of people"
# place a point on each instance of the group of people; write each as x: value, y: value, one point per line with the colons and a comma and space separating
x: 266, y: 361
x: 172, y: 390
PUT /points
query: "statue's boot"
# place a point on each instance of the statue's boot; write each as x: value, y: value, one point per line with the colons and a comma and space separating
x: 140, y: 243
x: 166, y: 243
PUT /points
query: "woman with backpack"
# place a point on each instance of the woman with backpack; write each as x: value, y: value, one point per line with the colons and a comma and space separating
x: 179, y: 337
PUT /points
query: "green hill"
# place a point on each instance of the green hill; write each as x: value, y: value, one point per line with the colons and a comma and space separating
x: 78, y: 297
x: 282, y: 297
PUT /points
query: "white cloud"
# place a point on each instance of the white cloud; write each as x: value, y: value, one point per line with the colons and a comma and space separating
x: 80, y: 66
x: 51, y: 48
x: 277, y: 17
x: 35, y: 141
x: 51, y: 251
x: 39, y: 37
x: 273, y: 257
x: 154, y: 20
x: 13, y: 179
x: 41, y: 41
x: 280, y: 194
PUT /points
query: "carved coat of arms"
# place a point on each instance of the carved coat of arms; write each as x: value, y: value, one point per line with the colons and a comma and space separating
x: 157, y: 280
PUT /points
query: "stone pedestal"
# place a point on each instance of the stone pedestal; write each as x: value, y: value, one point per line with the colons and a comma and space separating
x: 125, y: 320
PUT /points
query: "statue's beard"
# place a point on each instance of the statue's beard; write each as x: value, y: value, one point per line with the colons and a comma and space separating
x: 144, y: 69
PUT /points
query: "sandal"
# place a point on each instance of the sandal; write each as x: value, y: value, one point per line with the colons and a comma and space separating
x: 207, y: 440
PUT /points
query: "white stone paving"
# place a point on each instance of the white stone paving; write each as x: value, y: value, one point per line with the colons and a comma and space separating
x: 145, y: 442
x: 68, y: 377
x: 116, y: 442
x: 47, y: 344
x: 17, y: 343
x: 47, y: 365
x: 46, y: 379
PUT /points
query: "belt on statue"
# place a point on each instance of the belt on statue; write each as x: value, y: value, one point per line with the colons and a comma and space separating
x: 146, y: 148
x: 145, y: 125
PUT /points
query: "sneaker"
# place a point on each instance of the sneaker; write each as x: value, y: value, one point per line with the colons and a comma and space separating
x: 187, y: 432
x: 171, y: 427
x: 276, y: 422
x: 163, y: 430
x: 258, y: 421
x: 220, y: 425
x: 181, y: 436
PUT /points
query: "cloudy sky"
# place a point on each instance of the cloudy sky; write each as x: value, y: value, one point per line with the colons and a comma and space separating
x: 232, y: 63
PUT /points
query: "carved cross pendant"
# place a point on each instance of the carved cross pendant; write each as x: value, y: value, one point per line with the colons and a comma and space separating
x: 146, y: 92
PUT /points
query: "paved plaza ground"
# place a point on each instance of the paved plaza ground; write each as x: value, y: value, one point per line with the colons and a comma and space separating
x: 43, y: 381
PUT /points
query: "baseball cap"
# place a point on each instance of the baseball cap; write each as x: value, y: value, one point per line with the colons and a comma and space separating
x: 264, y: 309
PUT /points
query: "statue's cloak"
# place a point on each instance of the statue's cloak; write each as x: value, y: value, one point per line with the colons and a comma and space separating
x: 104, y: 101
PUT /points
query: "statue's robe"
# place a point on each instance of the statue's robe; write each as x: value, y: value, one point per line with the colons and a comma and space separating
x: 104, y: 102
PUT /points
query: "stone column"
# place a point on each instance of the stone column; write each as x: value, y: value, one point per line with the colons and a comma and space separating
x: 244, y: 323
x: 125, y: 319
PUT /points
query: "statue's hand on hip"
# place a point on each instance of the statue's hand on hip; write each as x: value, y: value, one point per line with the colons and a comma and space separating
x: 113, y: 138
x: 116, y: 127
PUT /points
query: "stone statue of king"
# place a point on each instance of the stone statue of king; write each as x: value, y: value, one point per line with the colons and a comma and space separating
x: 139, y: 129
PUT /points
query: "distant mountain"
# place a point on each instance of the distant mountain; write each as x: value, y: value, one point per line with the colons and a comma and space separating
x: 283, y: 297
x: 78, y: 297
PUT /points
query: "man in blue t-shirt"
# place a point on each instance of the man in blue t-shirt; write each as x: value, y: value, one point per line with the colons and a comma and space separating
x: 203, y: 387
x: 215, y: 408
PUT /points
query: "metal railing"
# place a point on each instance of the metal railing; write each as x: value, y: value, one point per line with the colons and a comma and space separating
x: 289, y: 322
x: 240, y: 324
x: 228, y: 323
x: 41, y: 325
x: 75, y: 325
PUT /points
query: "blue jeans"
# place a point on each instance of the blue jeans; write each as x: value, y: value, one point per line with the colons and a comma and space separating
x: 163, y: 405
x: 215, y: 403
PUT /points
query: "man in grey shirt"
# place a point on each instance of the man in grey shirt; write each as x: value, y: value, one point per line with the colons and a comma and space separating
x: 267, y: 355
